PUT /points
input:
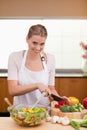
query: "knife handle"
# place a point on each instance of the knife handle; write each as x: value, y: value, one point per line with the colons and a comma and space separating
x: 56, y: 98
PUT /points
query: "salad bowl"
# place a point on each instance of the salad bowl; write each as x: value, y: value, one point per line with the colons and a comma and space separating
x: 27, y: 116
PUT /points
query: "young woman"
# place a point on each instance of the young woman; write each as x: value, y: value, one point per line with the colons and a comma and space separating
x: 32, y: 71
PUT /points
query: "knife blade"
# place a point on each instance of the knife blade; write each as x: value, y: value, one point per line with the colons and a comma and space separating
x: 56, y: 98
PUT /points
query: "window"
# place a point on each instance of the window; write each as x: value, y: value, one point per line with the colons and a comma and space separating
x: 64, y: 37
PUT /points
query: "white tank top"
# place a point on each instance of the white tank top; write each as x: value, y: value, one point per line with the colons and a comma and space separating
x: 27, y: 77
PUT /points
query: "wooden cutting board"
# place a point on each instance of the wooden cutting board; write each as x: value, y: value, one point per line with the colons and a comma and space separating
x: 70, y: 115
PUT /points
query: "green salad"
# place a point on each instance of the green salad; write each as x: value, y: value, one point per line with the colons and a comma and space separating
x: 28, y: 116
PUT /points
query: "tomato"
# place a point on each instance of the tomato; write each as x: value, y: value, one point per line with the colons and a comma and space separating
x: 57, y: 105
x: 62, y: 102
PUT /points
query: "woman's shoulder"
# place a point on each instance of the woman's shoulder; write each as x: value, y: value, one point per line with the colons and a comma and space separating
x: 15, y: 58
x: 16, y: 54
x: 50, y: 61
x: 50, y: 57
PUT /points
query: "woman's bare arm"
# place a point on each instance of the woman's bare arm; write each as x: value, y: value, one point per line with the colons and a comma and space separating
x: 15, y: 89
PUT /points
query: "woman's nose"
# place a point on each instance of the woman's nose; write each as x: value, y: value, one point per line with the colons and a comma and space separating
x: 38, y: 47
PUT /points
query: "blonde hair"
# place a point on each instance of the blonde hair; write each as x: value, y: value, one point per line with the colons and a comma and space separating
x: 37, y: 29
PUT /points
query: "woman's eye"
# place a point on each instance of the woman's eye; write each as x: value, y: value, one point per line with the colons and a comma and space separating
x: 42, y: 44
x: 34, y: 43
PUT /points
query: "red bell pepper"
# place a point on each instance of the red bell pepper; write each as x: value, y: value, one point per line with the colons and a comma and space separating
x: 84, y: 102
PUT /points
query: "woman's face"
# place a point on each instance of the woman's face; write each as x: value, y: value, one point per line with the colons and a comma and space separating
x: 36, y: 43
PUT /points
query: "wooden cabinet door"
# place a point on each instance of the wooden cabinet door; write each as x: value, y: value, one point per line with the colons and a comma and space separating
x: 73, y: 87
x: 57, y: 83
x: 4, y: 93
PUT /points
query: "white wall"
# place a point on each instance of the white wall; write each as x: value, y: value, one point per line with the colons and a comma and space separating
x: 63, y: 39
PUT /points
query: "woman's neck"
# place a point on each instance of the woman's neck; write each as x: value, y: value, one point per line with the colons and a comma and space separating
x: 32, y: 56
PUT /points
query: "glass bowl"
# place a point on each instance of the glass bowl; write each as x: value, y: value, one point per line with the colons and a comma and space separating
x: 27, y: 116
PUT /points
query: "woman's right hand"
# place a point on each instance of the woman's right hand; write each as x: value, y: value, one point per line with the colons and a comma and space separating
x: 43, y: 88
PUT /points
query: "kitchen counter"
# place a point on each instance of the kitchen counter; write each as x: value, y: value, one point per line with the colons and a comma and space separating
x: 69, y: 73
x: 6, y: 123
x: 58, y: 73
x: 3, y: 75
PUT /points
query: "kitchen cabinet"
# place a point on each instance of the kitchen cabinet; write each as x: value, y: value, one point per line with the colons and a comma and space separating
x: 4, y: 93
x: 67, y: 86
x: 57, y: 82
x: 72, y: 86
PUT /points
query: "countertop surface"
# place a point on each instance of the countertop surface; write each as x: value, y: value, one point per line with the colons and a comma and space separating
x: 58, y: 73
x: 6, y: 123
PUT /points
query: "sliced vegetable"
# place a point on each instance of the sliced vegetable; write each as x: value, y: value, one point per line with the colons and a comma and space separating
x: 62, y: 102
x: 57, y: 105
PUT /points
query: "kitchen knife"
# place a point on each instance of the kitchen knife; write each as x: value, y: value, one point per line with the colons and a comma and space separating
x: 56, y: 98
